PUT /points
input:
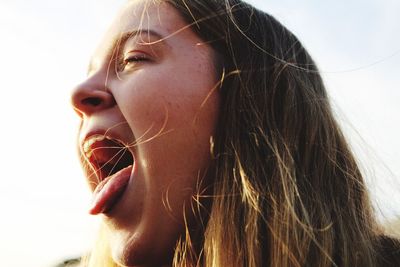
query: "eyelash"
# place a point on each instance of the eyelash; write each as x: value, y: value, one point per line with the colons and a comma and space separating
x: 124, y: 62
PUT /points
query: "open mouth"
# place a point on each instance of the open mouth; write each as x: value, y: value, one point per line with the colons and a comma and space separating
x: 107, y: 156
x: 112, y: 163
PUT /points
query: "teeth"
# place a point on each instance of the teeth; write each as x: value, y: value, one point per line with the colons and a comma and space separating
x: 91, y: 140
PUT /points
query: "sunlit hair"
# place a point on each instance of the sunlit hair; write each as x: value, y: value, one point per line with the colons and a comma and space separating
x: 287, y: 190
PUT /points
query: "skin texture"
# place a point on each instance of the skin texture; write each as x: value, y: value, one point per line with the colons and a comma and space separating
x: 164, y: 105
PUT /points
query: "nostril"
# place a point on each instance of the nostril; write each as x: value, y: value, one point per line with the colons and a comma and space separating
x: 91, y: 101
x: 87, y: 99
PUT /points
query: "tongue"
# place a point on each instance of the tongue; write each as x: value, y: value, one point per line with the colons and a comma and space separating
x: 109, y: 191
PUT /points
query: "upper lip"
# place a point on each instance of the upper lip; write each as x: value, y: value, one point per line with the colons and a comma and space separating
x: 99, y: 133
x: 90, y: 140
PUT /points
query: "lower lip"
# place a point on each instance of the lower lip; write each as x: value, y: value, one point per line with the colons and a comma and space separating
x: 108, y: 193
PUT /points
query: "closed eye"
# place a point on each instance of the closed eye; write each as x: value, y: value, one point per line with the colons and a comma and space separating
x: 131, y: 60
x: 135, y: 58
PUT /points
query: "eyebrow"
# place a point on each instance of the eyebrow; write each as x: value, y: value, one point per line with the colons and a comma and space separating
x: 123, y: 38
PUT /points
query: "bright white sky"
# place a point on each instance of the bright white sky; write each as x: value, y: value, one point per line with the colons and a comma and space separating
x: 44, y: 52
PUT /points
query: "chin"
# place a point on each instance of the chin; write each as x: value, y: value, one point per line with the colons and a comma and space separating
x: 135, y: 250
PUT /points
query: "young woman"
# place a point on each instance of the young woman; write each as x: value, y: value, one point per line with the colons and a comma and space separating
x: 208, y: 140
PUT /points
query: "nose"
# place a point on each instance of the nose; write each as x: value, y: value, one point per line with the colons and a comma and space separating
x: 92, y: 96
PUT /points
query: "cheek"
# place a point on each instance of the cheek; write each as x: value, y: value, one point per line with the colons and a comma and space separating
x: 143, y: 104
x: 158, y: 98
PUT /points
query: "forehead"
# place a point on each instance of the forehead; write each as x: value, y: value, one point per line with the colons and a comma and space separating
x: 141, y: 15
x: 144, y: 14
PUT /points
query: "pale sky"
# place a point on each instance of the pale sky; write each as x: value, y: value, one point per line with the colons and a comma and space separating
x: 44, y: 51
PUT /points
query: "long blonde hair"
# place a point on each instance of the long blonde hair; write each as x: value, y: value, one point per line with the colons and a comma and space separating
x: 287, y: 190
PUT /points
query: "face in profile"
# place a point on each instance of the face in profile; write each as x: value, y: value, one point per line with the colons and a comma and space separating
x: 148, y: 110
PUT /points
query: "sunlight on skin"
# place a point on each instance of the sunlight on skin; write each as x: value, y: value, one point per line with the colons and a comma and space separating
x: 45, y: 56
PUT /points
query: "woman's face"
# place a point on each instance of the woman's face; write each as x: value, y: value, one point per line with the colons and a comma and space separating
x: 150, y: 88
